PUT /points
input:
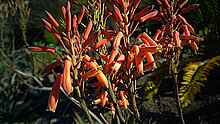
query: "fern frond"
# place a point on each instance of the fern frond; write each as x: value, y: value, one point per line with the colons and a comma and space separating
x: 195, y: 75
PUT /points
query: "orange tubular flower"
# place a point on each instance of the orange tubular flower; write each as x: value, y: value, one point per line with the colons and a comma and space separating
x: 107, y: 68
x: 103, y: 98
x: 112, y: 56
x: 138, y: 60
x: 149, y: 39
x: 118, y: 14
x: 65, y: 39
x: 109, y: 32
x: 54, y: 94
x: 136, y: 50
x: 148, y: 65
x: 68, y: 18
x: 52, y: 65
x: 150, y: 15
x: 150, y: 59
x: 51, y: 19
x: 130, y: 60
x: 191, y: 29
x: 112, y: 109
x: 116, y: 2
x: 64, y: 13
x: 74, y: 21
x: 158, y: 32
x: 186, y: 30
x: 123, y: 4
x: 191, y: 37
x: 81, y: 14
x: 145, y: 41
x: 47, y: 25
x: 156, y: 18
x: 118, y: 63
x: 98, y: 89
x: 194, y: 46
x: 102, y: 79
x: 117, y: 40
x: 68, y: 5
x: 55, y: 33
x: 145, y: 48
x: 182, y: 19
x: 135, y: 5
x: 177, y: 40
x: 111, y: 15
x: 104, y: 57
x: 103, y: 41
x: 94, y: 72
x: 194, y: 6
x: 68, y: 21
x: 92, y: 64
x: 90, y: 40
x: 161, y: 5
x: 87, y: 58
x: 89, y: 74
x: 166, y: 3
x: 182, y: 4
x: 42, y: 49
x: 143, y: 12
x: 87, y: 30
x: 67, y: 80
x: 97, y: 101
x: 123, y: 99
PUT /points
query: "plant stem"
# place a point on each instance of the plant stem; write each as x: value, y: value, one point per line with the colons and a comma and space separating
x: 174, y: 74
x: 132, y: 93
x: 176, y: 87
x: 173, y: 66
x: 176, y: 92
x: 78, y: 104
x: 113, y: 98
x: 132, y: 88
x: 83, y: 105
x: 85, y: 108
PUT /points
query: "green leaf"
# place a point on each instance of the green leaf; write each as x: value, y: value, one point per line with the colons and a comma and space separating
x: 195, y: 75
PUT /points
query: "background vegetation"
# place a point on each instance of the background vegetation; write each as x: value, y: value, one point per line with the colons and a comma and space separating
x: 23, y: 100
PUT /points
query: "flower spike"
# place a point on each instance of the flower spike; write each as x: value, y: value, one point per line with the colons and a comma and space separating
x: 143, y: 12
x: 149, y: 39
x: 87, y: 30
x: 52, y: 20
x: 52, y: 65
x: 117, y: 40
x: 183, y: 3
x: 81, y: 14
x: 67, y: 80
x: 92, y: 37
x: 42, y: 49
x: 118, y: 14
x: 54, y: 94
x: 150, y: 15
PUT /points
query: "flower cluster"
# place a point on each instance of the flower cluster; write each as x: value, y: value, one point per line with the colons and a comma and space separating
x: 124, y: 57
x: 176, y: 31
x: 116, y: 68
